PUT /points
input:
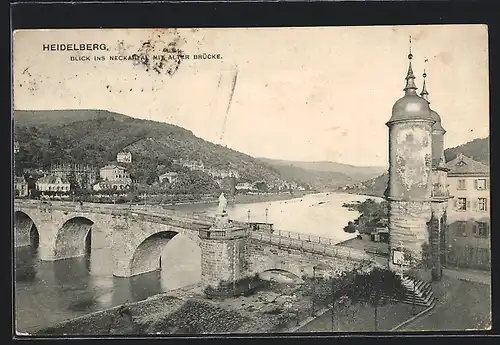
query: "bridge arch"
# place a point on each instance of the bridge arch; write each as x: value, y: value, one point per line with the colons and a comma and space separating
x: 146, y: 242
x: 282, y: 272
x: 26, y: 231
x: 147, y: 256
x: 73, y: 238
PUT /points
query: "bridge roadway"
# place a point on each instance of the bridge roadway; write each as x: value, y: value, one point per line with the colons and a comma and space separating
x: 188, y: 223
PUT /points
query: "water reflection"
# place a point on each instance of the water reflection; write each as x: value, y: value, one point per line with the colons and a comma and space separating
x: 50, y: 292
x: 25, y: 265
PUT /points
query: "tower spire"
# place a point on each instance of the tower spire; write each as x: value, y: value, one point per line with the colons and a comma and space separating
x: 425, y: 93
x: 410, y: 77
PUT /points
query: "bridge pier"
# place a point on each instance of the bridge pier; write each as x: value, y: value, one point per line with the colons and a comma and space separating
x: 223, y: 253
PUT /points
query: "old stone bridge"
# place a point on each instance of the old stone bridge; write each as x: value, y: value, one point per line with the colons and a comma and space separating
x: 62, y: 230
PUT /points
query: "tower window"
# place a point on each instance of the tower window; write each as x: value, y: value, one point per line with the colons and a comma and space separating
x: 461, y: 184
x: 462, y: 204
x: 483, y: 204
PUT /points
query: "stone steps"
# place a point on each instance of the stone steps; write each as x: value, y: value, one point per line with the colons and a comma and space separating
x: 418, y: 292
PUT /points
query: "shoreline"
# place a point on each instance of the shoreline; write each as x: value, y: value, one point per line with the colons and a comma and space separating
x: 239, y: 199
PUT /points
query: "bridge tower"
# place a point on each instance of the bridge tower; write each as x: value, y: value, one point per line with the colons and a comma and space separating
x: 409, y: 188
x: 439, y: 192
x: 223, y: 250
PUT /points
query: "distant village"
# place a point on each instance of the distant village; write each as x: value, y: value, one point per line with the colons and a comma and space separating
x: 63, y: 181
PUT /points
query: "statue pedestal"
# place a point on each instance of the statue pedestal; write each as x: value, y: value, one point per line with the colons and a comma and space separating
x: 223, y: 247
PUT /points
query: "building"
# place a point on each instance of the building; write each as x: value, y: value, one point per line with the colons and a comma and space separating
x: 245, y: 187
x: 468, y: 233
x: 114, y: 173
x: 191, y: 165
x: 52, y: 183
x: 85, y: 176
x: 118, y: 184
x: 124, y: 157
x: 20, y: 187
x: 171, y: 177
x: 409, y: 190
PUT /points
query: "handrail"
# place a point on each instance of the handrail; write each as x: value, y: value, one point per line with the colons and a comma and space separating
x: 166, y: 216
x: 305, y: 237
x: 320, y: 248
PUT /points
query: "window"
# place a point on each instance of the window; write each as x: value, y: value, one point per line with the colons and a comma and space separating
x: 461, y: 184
x: 483, y: 230
x: 480, y: 184
x: 462, y: 204
x: 482, y: 204
x: 461, y: 229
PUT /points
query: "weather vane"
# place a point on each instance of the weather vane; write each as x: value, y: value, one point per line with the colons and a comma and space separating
x: 410, y: 56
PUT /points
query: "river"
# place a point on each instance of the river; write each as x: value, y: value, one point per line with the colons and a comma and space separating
x: 50, y: 292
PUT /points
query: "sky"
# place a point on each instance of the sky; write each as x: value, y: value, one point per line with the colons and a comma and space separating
x: 304, y: 94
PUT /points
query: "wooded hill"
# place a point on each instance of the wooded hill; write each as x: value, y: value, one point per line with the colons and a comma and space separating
x: 94, y: 137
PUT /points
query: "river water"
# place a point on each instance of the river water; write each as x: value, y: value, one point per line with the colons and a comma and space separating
x: 49, y: 292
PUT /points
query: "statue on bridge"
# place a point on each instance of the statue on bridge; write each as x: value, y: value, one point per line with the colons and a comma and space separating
x: 222, y: 204
x: 221, y: 218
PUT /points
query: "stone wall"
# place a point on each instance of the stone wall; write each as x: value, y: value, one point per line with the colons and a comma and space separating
x: 408, y: 228
x: 223, y: 260
x: 264, y: 257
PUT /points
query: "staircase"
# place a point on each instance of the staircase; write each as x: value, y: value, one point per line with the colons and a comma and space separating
x: 418, y: 292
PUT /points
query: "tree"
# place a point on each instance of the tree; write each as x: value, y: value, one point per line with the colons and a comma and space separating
x: 376, y: 288
x: 350, y: 228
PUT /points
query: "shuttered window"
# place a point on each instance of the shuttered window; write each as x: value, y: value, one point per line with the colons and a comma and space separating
x: 480, y: 184
x: 462, y: 204
x: 483, y: 204
x: 461, y: 184
x: 483, y: 229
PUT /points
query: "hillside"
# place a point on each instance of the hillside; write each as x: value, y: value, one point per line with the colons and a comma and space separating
x: 477, y: 149
x: 96, y: 137
x: 319, y: 180
x: 56, y: 118
x: 327, y: 170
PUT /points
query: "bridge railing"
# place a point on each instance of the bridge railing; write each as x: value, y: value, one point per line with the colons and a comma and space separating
x: 312, y: 247
x: 159, y: 215
x: 305, y: 237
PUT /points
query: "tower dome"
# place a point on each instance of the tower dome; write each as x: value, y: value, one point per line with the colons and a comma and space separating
x: 411, y: 106
x: 437, y: 127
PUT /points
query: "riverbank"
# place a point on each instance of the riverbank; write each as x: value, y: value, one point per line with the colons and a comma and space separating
x: 237, y: 199
x: 188, y: 311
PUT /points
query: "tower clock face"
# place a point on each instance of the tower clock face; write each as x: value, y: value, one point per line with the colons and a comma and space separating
x: 413, y: 156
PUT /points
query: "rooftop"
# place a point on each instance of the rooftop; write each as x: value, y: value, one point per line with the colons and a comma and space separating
x: 463, y: 165
x: 18, y: 179
x: 107, y: 167
x: 52, y: 179
x: 170, y: 173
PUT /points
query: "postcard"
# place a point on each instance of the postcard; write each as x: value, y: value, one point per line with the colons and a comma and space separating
x: 251, y: 180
